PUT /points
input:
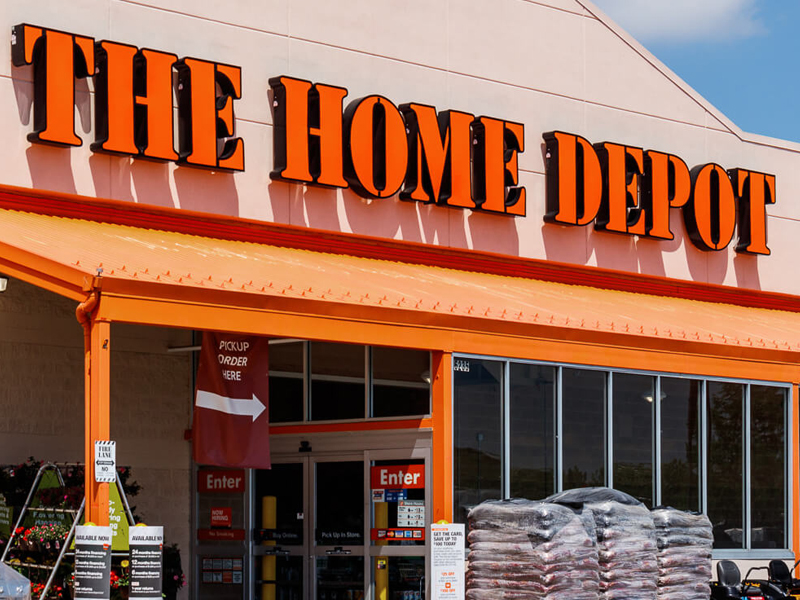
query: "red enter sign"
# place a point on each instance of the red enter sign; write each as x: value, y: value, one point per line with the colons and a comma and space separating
x: 398, y: 477
x: 220, y: 481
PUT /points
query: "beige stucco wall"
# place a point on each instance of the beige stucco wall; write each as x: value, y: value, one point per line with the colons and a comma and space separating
x: 42, y: 399
x: 549, y: 64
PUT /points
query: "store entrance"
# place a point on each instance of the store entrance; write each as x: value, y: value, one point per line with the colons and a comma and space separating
x: 342, y: 527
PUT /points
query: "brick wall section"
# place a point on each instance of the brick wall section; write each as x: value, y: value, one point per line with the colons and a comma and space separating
x: 41, y: 400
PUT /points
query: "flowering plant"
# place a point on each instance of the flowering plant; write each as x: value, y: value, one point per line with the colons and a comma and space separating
x: 121, y: 577
x: 48, y: 532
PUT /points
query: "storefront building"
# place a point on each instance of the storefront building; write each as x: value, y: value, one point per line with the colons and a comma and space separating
x: 497, y: 252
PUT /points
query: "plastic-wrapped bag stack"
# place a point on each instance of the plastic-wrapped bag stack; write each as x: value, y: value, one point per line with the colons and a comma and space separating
x: 626, y: 542
x: 684, y: 554
x: 524, y: 550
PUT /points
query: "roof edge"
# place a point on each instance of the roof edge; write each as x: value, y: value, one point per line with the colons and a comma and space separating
x: 725, y: 121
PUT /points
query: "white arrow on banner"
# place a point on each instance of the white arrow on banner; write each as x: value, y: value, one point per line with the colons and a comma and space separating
x: 232, y: 406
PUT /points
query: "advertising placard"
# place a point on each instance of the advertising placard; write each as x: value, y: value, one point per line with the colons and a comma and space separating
x: 147, y: 559
x: 221, y: 516
x: 231, y: 416
x: 6, y: 517
x: 447, y: 561
x: 92, y: 563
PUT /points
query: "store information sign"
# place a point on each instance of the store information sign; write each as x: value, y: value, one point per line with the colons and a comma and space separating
x: 411, y: 513
x: 147, y: 545
x: 105, y: 461
x: 447, y: 561
x: 92, y: 563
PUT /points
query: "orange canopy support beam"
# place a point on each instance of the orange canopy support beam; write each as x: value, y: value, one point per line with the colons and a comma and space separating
x: 442, y: 436
x: 97, y: 351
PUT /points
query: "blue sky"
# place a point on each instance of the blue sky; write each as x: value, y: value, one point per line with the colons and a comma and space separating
x: 742, y: 55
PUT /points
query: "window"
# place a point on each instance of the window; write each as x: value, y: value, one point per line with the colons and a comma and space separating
x: 524, y: 429
x: 680, y: 443
x: 633, y: 435
x: 401, y: 382
x: 531, y: 426
x: 286, y: 365
x: 321, y: 381
x: 583, y: 426
x: 725, y: 466
x: 478, y: 441
x: 768, y: 502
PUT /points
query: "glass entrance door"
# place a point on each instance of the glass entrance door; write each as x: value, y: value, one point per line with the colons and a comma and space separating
x: 342, y: 527
x: 280, y: 550
x: 338, y: 538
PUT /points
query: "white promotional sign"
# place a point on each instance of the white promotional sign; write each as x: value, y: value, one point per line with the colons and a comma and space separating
x: 105, y: 461
x: 447, y: 561
x: 147, y: 562
x: 92, y: 563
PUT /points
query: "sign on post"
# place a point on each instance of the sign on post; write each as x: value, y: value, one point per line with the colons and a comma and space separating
x: 92, y: 563
x: 147, y: 545
x: 105, y: 461
x: 447, y: 561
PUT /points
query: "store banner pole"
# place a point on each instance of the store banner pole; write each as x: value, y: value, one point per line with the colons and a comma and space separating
x: 97, y: 412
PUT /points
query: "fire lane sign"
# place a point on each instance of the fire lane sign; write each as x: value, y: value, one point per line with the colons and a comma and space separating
x: 105, y: 461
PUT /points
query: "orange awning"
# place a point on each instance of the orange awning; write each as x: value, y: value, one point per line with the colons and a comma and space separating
x: 71, y: 255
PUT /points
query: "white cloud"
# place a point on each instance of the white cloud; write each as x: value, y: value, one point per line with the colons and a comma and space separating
x: 667, y: 21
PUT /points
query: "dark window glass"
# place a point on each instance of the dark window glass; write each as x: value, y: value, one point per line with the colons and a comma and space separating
x: 280, y: 489
x: 406, y: 577
x: 340, y: 503
x: 584, y: 416
x: 633, y: 435
x: 767, y: 466
x: 725, y: 468
x: 680, y: 452
x: 286, y: 382
x: 337, y: 381
x: 401, y: 382
x: 532, y: 434
x: 478, y: 386
x: 339, y: 577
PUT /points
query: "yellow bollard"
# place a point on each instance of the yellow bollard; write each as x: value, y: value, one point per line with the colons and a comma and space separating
x: 269, y: 520
x: 381, y: 562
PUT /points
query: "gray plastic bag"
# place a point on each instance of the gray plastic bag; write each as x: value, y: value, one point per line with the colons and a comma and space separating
x: 13, y: 585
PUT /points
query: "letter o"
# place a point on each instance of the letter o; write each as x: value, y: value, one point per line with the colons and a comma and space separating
x: 710, y: 215
x: 376, y: 147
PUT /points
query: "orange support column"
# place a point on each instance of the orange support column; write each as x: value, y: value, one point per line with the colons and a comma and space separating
x: 442, y: 436
x: 97, y: 365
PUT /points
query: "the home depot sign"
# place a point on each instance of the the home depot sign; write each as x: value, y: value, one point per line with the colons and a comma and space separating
x: 379, y: 149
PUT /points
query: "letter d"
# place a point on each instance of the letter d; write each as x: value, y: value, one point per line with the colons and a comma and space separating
x: 574, y: 179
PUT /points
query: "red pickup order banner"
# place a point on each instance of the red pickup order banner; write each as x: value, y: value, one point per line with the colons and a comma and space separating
x: 231, y: 407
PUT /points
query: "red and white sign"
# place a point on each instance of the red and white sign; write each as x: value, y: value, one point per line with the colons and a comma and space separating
x: 398, y: 477
x: 231, y: 420
x: 220, y: 481
x: 447, y: 561
x: 221, y: 516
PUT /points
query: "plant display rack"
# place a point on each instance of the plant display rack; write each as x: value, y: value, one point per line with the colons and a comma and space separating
x: 76, y: 515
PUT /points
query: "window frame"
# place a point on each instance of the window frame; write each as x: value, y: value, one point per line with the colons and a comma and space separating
x: 308, y: 377
x: 789, y: 460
